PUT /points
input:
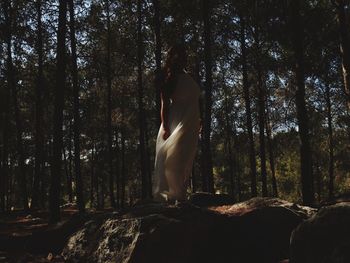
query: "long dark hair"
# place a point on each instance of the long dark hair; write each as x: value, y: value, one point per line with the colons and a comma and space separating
x: 175, y: 63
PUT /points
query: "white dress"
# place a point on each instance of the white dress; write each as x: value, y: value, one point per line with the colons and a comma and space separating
x: 175, y: 155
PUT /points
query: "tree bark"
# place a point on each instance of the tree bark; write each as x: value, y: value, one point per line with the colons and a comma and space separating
x: 39, y: 140
x: 344, y: 46
x: 307, y: 181
x: 142, y: 146
x: 158, y: 57
x: 68, y: 174
x: 261, y: 117
x: 271, y: 154
x: 76, y: 108
x: 55, y: 187
x: 208, y: 180
x: 12, y: 87
x: 230, y: 155
x: 252, y: 160
x: 5, y: 129
x: 330, y: 144
x: 109, y: 111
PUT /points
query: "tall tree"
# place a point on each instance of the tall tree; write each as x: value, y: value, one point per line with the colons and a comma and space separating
x: 158, y: 57
x: 330, y: 142
x: 249, y: 123
x: 76, y: 108
x: 307, y: 182
x: 5, y: 132
x: 109, y: 109
x: 39, y: 140
x: 343, y: 24
x: 55, y: 187
x: 271, y: 153
x: 261, y: 96
x: 8, y: 12
x: 142, y: 146
x: 208, y: 180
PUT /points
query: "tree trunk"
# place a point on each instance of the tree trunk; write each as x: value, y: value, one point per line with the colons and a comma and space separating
x: 123, y: 170
x: 302, y: 116
x: 208, y: 180
x: 271, y: 154
x: 344, y: 46
x: 230, y: 158
x: 330, y: 144
x: 5, y: 131
x: 68, y: 177
x: 237, y: 163
x: 12, y: 86
x: 249, y: 124
x: 142, y: 146
x: 76, y: 108
x: 68, y: 164
x: 158, y: 57
x: 38, y: 170
x: 55, y: 186
x: 261, y: 117
x: 117, y: 167
x: 109, y: 111
x: 93, y: 179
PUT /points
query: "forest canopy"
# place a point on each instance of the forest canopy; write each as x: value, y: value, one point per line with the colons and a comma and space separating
x: 80, y: 101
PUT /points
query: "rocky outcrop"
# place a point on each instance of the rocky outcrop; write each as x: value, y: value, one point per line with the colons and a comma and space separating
x: 325, y: 237
x: 254, y: 231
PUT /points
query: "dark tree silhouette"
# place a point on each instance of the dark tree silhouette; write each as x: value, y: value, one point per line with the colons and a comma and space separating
x: 302, y: 114
x: 55, y: 187
x: 252, y: 160
x: 207, y: 177
x: 76, y: 108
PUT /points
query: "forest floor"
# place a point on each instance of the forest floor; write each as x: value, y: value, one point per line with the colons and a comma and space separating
x: 22, y: 225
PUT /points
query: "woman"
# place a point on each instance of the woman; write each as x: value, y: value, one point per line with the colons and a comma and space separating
x: 178, y: 133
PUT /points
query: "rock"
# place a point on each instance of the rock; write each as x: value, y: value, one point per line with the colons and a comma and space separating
x: 254, y: 231
x: 203, y: 199
x: 325, y: 237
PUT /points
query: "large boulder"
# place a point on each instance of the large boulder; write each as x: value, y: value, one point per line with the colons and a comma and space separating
x: 253, y: 231
x: 204, y: 199
x: 325, y: 237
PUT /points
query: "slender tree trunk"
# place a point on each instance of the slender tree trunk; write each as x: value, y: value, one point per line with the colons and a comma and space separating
x: 12, y: 86
x: 230, y: 158
x: 230, y: 155
x: 5, y: 152
x: 237, y: 163
x: 261, y: 97
x: 117, y: 166
x: 261, y: 117
x: 93, y: 183
x: 109, y: 111
x: 158, y: 57
x: 330, y: 144
x: 38, y: 170
x: 123, y: 170
x: 55, y: 190
x: 271, y: 154
x: 68, y: 175
x: 142, y: 146
x: 307, y: 181
x: 69, y: 164
x: 208, y: 180
x: 249, y: 124
x: 5, y: 131
x: 76, y: 108
x: 344, y: 45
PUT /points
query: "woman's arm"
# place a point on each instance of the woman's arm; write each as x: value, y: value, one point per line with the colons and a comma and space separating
x: 164, y: 114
